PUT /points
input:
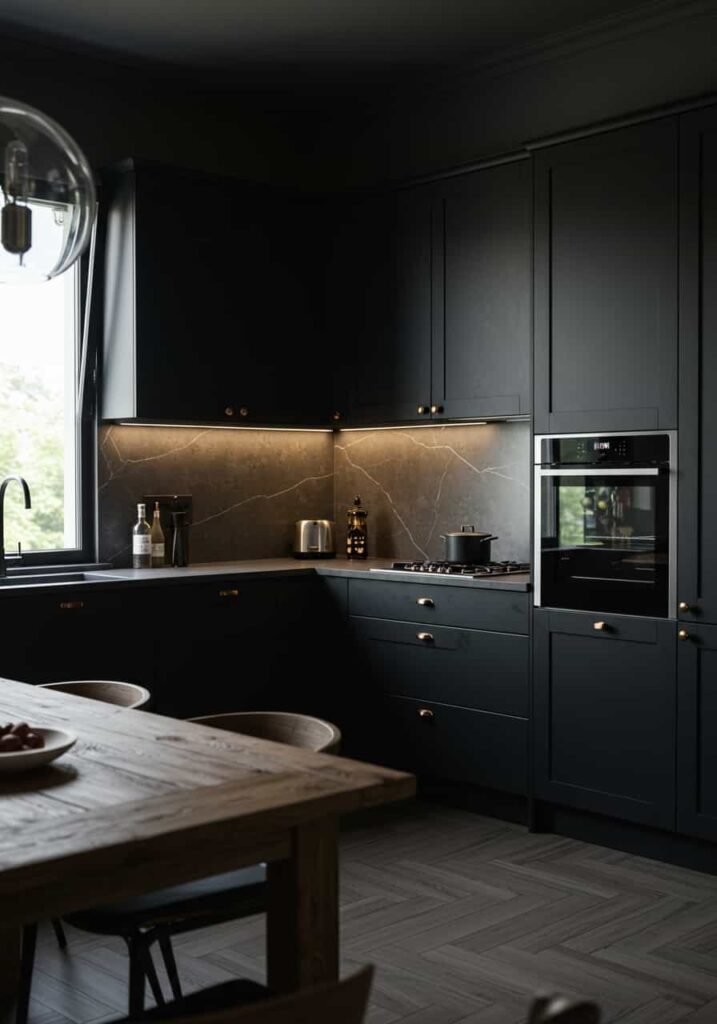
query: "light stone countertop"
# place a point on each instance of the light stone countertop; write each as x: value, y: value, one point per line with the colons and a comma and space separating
x: 260, y: 567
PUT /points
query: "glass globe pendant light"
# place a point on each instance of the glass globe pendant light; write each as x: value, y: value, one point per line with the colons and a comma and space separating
x: 48, y: 195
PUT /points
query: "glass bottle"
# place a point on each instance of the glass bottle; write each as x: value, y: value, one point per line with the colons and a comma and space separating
x: 356, y: 533
x: 157, y: 538
x: 141, y: 540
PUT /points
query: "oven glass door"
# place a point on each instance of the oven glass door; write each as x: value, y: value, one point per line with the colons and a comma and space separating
x: 604, y: 540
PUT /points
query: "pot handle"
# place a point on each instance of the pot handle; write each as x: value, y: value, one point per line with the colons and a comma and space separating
x: 470, y: 529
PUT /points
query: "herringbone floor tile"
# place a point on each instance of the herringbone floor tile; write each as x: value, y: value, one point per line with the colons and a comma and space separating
x: 467, y: 919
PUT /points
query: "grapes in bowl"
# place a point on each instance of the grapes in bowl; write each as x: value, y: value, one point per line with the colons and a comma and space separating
x: 24, y: 746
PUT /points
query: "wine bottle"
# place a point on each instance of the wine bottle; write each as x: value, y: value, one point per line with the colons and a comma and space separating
x: 157, y: 538
x: 141, y: 540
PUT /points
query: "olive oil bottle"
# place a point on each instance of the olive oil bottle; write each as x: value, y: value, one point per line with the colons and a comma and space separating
x: 157, y: 538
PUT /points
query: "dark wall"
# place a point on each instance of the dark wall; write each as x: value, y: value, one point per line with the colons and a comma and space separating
x: 626, y: 67
x: 115, y: 110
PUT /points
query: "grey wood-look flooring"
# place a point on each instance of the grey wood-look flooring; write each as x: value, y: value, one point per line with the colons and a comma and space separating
x: 467, y: 919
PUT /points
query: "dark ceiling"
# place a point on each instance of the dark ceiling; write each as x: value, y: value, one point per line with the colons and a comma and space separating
x: 314, y: 45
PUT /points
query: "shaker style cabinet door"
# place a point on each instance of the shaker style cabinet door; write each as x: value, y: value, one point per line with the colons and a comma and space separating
x: 482, y: 293
x: 605, y: 281
x: 697, y: 580
x: 697, y: 732
x: 378, y: 307
x: 604, y: 714
x: 208, y: 300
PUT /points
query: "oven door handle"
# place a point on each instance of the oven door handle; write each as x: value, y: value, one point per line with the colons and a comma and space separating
x: 652, y: 471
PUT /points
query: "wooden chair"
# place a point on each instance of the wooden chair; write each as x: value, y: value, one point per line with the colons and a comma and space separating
x: 156, y: 917
x: 245, y: 1002
x: 281, y: 726
x: 110, y: 691
x: 561, y: 1010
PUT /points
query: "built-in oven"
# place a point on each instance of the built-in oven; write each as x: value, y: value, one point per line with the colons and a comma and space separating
x: 605, y: 519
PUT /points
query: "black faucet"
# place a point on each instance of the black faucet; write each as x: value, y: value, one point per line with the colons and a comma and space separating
x: 28, y: 504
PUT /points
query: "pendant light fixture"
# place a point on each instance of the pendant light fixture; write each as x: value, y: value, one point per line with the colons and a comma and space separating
x: 47, y: 192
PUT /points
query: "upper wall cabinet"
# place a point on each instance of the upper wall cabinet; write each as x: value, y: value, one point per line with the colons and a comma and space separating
x: 429, y: 300
x: 482, y: 294
x: 697, y: 585
x: 209, y: 301
x: 378, y: 306
x: 605, y: 284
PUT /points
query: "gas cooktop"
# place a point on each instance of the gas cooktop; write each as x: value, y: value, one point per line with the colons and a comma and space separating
x: 457, y: 568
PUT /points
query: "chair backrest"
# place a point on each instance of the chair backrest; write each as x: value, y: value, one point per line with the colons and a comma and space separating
x: 561, y: 1010
x: 281, y: 726
x: 337, y: 1002
x: 111, y: 691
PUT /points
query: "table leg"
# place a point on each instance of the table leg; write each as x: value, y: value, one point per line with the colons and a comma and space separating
x: 9, y: 972
x: 303, y: 910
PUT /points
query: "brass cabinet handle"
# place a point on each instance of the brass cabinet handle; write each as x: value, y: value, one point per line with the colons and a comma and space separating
x: 422, y: 410
x: 425, y: 602
x: 425, y: 713
x: 427, y: 637
x: 336, y: 415
x: 600, y: 626
x: 243, y: 411
x: 229, y: 411
x: 229, y: 593
x: 69, y: 605
x: 683, y: 635
x: 436, y: 408
x: 683, y: 606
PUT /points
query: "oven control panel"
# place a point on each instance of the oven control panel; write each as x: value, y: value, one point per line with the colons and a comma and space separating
x: 606, y: 449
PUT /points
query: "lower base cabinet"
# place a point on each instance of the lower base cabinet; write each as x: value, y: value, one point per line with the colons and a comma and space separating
x: 240, y: 645
x: 437, y: 740
x: 443, y: 674
x: 83, y: 632
x: 697, y: 732
x: 604, y: 714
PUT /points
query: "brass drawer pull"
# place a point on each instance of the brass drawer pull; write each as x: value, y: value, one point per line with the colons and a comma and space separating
x: 72, y: 604
x: 425, y: 713
x: 683, y: 635
x: 426, y: 637
x: 425, y: 602
x: 436, y: 408
x: 600, y: 626
x: 229, y: 593
x: 684, y: 607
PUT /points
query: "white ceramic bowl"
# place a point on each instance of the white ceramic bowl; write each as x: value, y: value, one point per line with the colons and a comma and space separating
x: 56, y: 743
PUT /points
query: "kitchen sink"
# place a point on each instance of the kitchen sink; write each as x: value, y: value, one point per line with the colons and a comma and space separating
x: 43, y: 579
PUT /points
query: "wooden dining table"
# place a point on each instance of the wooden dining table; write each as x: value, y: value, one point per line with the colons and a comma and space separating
x: 143, y: 801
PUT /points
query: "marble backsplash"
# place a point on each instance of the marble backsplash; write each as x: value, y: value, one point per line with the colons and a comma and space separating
x: 249, y: 487
x: 418, y: 484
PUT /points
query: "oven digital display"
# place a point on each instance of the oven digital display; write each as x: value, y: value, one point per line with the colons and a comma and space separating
x: 601, y: 446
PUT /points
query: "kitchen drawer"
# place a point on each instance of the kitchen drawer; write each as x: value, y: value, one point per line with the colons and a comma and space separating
x: 618, y: 627
x: 471, y: 668
x: 441, y: 605
x: 438, y: 741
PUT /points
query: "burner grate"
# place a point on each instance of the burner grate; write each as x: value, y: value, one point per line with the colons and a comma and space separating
x: 459, y: 568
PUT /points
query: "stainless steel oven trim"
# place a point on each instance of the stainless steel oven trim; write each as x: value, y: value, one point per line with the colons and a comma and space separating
x: 601, y: 472
x: 540, y: 472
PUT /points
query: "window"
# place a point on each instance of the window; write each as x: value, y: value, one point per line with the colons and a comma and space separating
x: 42, y: 437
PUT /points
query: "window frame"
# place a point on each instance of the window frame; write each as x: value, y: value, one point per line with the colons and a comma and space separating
x: 86, y: 430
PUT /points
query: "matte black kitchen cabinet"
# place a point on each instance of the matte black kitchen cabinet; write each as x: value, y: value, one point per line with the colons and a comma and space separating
x: 210, y: 300
x: 77, y: 633
x: 443, y: 679
x: 697, y: 580
x: 378, y: 306
x: 482, y: 294
x: 605, y: 281
x: 238, y: 644
x: 429, y: 300
x: 697, y: 732
x: 604, y: 714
